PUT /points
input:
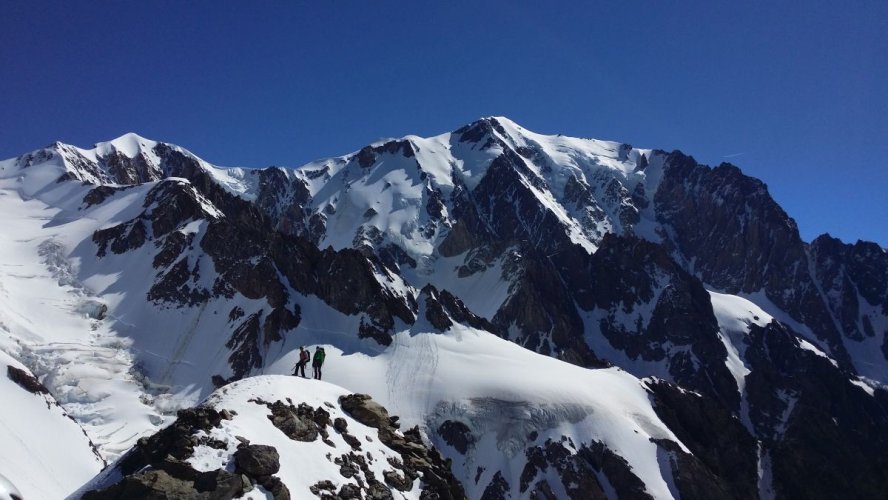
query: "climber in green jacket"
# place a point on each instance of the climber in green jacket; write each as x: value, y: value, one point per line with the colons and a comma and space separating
x: 318, y: 361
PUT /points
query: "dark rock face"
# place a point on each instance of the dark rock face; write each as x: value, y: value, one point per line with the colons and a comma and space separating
x: 443, y: 308
x: 125, y: 170
x: 740, y: 240
x: 728, y: 222
x: 854, y: 280
x: 176, y: 285
x: 25, y: 380
x: 456, y: 434
x: 541, y: 307
x: 157, y: 468
x: 724, y: 461
x: 692, y: 479
x: 121, y: 238
x: 150, y: 484
x: 438, y: 480
x: 825, y: 436
x: 99, y: 194
x: 244, y: 345
x: 581, y: 471
x: 497, y: 489
x: 682, y: 331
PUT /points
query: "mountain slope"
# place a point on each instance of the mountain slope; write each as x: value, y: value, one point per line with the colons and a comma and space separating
x: 432, y: 268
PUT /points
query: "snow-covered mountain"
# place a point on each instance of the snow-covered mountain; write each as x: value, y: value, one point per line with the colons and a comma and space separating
x: 558, y: 317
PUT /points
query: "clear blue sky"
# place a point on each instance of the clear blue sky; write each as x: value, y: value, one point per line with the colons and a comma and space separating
x: 795, y: 93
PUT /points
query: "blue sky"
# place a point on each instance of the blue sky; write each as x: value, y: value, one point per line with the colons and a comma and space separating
x: 795, y: 93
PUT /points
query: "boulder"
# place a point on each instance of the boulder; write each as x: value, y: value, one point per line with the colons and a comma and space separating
x: 257, y: 460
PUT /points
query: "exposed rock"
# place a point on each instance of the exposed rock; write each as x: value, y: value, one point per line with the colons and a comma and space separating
x: 854, y: 279
x: 325, y: 485
x: 277, y: 488
x: 340, y: 425
x: 149, y: 484
x: 298, y: 423
x: 579, y: 471
x: 244, y: 345
x: 257, y: 460
x: 456, y: 434
x: 717, y: 440
x: 436, y: 474
x: 497, y: 489
x: 156, y: 467
x: 443, y: 308
x: 630, y: 273
x: 397, y: 481
x: 740, y: 240
x: 121, y: 238
x: 819, y: 429
x: 99, y: 194
x: 25, y: 380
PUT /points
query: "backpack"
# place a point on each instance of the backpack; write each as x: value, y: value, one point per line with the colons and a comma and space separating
x: 303, y: 357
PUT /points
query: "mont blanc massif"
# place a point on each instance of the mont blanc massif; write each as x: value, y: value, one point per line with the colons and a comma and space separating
x: 505, y: 314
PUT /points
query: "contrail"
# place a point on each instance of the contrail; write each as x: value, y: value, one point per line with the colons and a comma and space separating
x: 734, y: 155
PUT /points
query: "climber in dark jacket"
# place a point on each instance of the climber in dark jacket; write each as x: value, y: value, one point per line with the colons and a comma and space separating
x: 303, y: 360
x: 318, y: 362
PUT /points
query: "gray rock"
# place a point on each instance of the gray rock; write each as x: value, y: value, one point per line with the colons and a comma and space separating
x: 257, y: 460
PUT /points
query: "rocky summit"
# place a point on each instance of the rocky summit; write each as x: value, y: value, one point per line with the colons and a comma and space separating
x: 505, y: 314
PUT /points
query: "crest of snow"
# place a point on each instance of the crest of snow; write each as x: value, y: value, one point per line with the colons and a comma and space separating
x: 576, y: 155
x: 471, y: 375
x: 736, y: 314
x: 766, y: 304
x: 863, y: 385
x: 130, y: 145
x: 240, y: 182
x: 808, y: 346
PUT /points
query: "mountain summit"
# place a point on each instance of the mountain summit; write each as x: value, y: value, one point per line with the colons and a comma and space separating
x: 552, y: 317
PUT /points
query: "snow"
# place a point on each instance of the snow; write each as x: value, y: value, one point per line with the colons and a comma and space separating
x: 50, y: 318
x: 483, y: 292
x: 736, y: 313
x: 808, y: 346
x: 130, y: 145
x: 476, y: 377
x: 735, y: 316
x: 863, y: 385
x: 394, y: 187
x: 44, y: 454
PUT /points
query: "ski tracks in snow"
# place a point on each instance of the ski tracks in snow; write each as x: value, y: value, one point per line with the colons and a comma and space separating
x: 412, y: 368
